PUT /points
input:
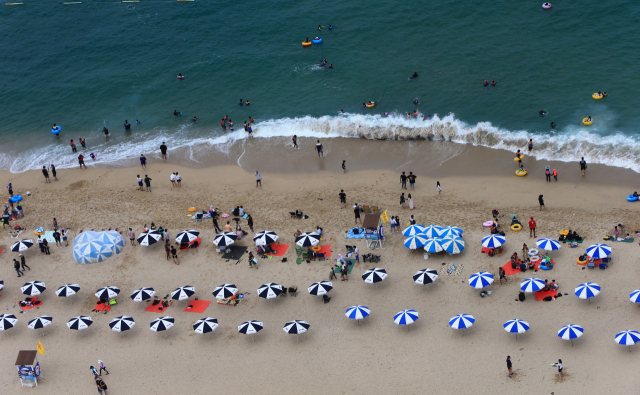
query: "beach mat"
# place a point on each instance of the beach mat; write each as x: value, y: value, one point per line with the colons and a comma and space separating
x: 326, y: 249
x: 573, y: 241
x: 625, y: 240
x: 197, y: 306
x: 36, y: 303
x: 157, y: 308
x: 189, y: 244
x: 279, y: 249
x: 236, y: 252
x: 352, y: 235
x: 486, y: 250
x: 102, y: 307
x: 349, y: 266
x: 540, y: 295
x: 509, y: 271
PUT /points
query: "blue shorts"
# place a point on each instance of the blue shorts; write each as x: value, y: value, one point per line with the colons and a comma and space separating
x: 140, y: 183
x: 411, y: 184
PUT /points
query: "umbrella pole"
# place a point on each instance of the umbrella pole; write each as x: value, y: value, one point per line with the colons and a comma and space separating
x: 571, y: 342
x: 253, y: 338
x: 297, y: 338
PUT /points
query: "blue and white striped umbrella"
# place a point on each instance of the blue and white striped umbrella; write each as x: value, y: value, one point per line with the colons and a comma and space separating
x: 532, y: 285
x: 112, y: 239
x: 450, y: 231
x: 570, y: 332
x: 92, y: 251
x: 452, y: 245
x: 635, y: 296
x: 432, y: 231
x: 358, y: 312
x: 628, y: 338
x: 374, y: 275
x: 433, y: 246
x: 516, y: 326
x: 406, y: 317
x: 461, y: 321
x: 480, y: 280
x: 493, y: 241
x: 587, y: 290
x: 599, y: 251
x: 415, y: 241
x: 548, y: 244
x: 413, y: 230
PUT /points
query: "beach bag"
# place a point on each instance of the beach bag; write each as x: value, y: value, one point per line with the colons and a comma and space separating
x: 547, y: 299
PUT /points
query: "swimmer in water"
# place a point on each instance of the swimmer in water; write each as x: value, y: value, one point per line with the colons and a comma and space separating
x: 319, y: 27
x: 307, y: 40
x: 415, y: 74
x: 553, y: 125
x: 194, y: 119
x: 415, y: 113
x: 223, y: 124
x: 250, y: 119
x: 137, y: 122
x: 180, y: 76
x: 589, y: 118
x: 175, y: 113
x: 341, y: 111
x: 241, y: 102
x: 415, y: 102
x: 543, y: 112
x: 248, y: 103
x: 409, y: 114
x: 330, y: 27
x: 485, y: 83
x: 250, y: 130
x: 105, y: 131
x: 493, y: 83
x: 127, y: 125
x: 330, y: 66
x: 93, y: 156
x: 386, y: 114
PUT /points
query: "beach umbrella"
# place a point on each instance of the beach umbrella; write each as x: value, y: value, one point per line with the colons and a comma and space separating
x: 548, y: 244
x: 110, y: 239
x: 1, y: 285
x: 450, y: 231
x: 452, y: 245
x: 40, y: 322
x: 122, y: 323
x: 296, y: 327
x: 149, y: 238
x: 143, y: 293
x: 183, y: 293
x: 599, y: 251
x: 433, y: 245
x: 432, y: 231
x: 493, y: 241
x: 68, y: 290
x: 187, y: 236
x: 570, y: 332
x: 461, y: 321
x: 225, y: 239
x: 624, y: 338
x: 415, y: 241
x: 405, y: 317
x: 587, y: 290
x: 265, y: 237
x: 532, y: 285
x: 205, y: 325
x: 358, y: 312
x: 33, y: 288
x: 161, y: 324
x: 107, y: 292
x: 250, y: 327
x: 80, y: 322
x: 635, y: 296
x: 269, y: 290
x: 480, y: 280
x: 425, y: 276
x: 7, y: 321
x: 308, y: 239
x: 225, y: 291
x: 375, y: 275
x: 413, y: 230
x: 320, y: 288
x: 21, y: 245
x: 92, y: 251
x: 516, y: 326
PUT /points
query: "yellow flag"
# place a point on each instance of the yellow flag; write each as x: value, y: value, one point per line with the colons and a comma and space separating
x: 40, y: 348
x: 384, y: 216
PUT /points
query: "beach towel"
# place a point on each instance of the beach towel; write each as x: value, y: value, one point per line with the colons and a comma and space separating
x: 350, y: 264
x: 15, y: 236
x: 625, y: 240
x: 540, y: 295
x: 352, y: 235
x: 326, y: 250
x: 48, y: 235
x: 509, y: 271
x: 279, y: 249
x: 102, y: 306
x: 450, y: 269
x: 236, y: 252
x: 157, y: 308
x: 231, y: 301
x: 197, y: 306
x: 573, y: 241
x: 35, y: 303
x: 485, y: 250
x: 199, y: 240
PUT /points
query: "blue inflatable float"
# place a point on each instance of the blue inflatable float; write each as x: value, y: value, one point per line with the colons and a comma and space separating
x: 56, y: 130
x: 15, y: 199
x: 316, y: 40
x: 632, y: 198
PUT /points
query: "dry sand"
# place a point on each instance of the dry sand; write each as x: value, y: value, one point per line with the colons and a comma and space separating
x: 336, y: 355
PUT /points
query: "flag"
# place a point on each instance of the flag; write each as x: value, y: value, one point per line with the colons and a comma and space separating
x: 40, y: 348
x: 384, y: 216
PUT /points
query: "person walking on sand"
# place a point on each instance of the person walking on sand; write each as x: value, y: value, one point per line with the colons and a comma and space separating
x: 344, y: 166
x: 250, y: 222
x: 532, y: 227
x: 46, y: 174
x: 53, y: 171
x: 23, y: 262
x: 541, y: 201
x: 16, y: 265
x: 547, y: 174
x: 583, y: 165
x: 102, y: 385
x: 147, y: 181
x: 343, y: 199
x: 412, y: 180
x: 295, y: 141
x: 502, y: 274
x: 102, y: 367
x: 509, y: 366
x: 95, y: 372
x: 356, y: 212
x: 555, y: 175
x: 143, y: 161
x: 319, y: 149
x: 173, y: 179
x: 132, y: 237
x: 10, y: 189
x: 252, y: 261
x: 560, y: 367
x: 178, y: 180
x: 174, y: 255
x: 214, y: 217
x: 163, y: 152
x: 167, y: 248
x: 403, y: 180
x: 403, y: 204
x: 258, y: 179
x: 140, y: 182
x: 439, y: 189
x: 530, y: 146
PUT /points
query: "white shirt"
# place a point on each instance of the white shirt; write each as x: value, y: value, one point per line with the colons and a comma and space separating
x: 241, y: 211
x: 173, y: 177
x: 178, y: 178
x: 258, y: 176
x: 439, y: 189
x: 139, y: 180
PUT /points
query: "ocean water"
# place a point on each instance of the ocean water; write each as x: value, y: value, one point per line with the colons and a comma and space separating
x: 94, y: 64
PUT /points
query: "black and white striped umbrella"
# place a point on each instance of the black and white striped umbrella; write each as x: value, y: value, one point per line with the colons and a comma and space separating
x: 375, y: 275
x: 80, y: 322
x: 308, y: 239
x: 161, y: 324
x: 250, y: 327
x: 1, y: 285
x: 122, y: 323
x: 296, y: 327
x: 270, y: 290
x: 149, y: 238
x: 107, y: 292
x: 40, y: 322
x: 265, y: 237
x: 187, y: 236
x: 21, y: 245
x: 68, y: 290
x: 183, y: 293
x: 7, y: 321
x: 142, y: 294
x: 320, y: 288
x: 225, y: 291
x: 33, y: 288
x: 225, y: 239
x: 425, y: 276
x: 205, y: 325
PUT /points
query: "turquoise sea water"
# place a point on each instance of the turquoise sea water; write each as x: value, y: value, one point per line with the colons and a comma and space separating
x: 84, y: 66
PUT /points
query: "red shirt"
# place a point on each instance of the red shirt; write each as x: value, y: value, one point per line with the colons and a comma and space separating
x: 532, y: 224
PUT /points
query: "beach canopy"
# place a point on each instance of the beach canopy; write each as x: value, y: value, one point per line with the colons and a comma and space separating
x: 269, y: 290
x: 375, y: 275
x: 7, y: 321
x: 296, y: 327
x: 599, y: 251
x: 225, y: 291
x: 413, y: 230
x: 107, y: 292
x: 453, y: 244
x: 548, y: 244
x: 183, y: 293
x: 480, y: 280
x: 142, y: 294
x: 122, y: 323
x: 250, y: 327
x: 425, y: 276
x: 357, y: 312
x: 68, y: 290
x: 149, y: 238
x: 21, y: 245
x: 416, y: 241
x: 187, y: 236
x: 33, y: 288
x: 635, y: 296
x: 626, y: 338
x: 462, y: 321
x: 532, y: 285
x: 433, y: 245
x: 493, y: 241
x: 80, y: 322
x: 570, y: 332
x: 320, y: 288
x: 40, y: 322
x: 92, y: 247
x: 587, y: 290
x: 162, y: 324
x: 432, y: 231
x: 405, y: 317
x: 308, y: 239
x: 265, y: 237
x: 205, y: 325
x: 225, y: 239
x: 516, y: 326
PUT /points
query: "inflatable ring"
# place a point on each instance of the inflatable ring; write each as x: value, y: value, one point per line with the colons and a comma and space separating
x: 521, y: 173
x: 546, y: 6
x: 315, y: 248
x: 39, y: 231
x: 192, y: 209
x: 585, y: 122
x: 487, y: 224
x: 581, y: 262
x: 517, y: 158
x: 306, y: 44
x: 632, y: 198
x: 17, y: 198
x: 563, y: 232
x: 516, y: 227
x: 318, y: 41
x: 597, y: 96
x: 370, y: 105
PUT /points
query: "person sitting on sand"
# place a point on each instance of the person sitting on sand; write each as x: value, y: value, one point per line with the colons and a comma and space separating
x: 553, y: 286
x: 514, y: 256
x: 546, y: 285
x: 530, y: 264
x: 576, y: 236
x: 523, y: 267
x: 514, y: 263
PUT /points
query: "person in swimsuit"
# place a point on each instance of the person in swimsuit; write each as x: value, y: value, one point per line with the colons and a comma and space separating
x: 167, y: 248
x: 143, y: 161
x: 530, y: 146
x: 241, y: 102
x: 295, y: 141
x: 344, y: 166
x: 81, y: 161
x: 180, y: 76
x: 53, y: 171
x: 147, y: 181
x: 223, y: 124
x: 319, y: 149
x: 105, y: 131
x: 127, y: 125
x: 583, y: 166
x: 493, y: 83
x: 130, y: 233
x: 163, y: 151
x: 174, y: 255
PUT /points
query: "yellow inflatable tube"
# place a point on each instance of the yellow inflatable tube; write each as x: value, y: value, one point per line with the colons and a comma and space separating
x: 520, y: 173
x: 585, y: 122
x: 518, y: 157
x: 516, y: 227
x: 564, y: 232
x: 371, y: 105
x: 305, y: 44
x: 597, y: 96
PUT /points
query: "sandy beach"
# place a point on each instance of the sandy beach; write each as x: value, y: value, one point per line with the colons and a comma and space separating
x: 336, y: 355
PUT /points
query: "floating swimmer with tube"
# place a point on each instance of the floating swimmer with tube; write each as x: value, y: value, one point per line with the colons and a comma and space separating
x: 587, y: 120
x: 543, y: 112
x: 546, y: 6
x: 414, y: 76
x: 306, y: 43
x: 316, y: 40
x: 370, y: 104
x: 599, y: 95
x: 56, y: 129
